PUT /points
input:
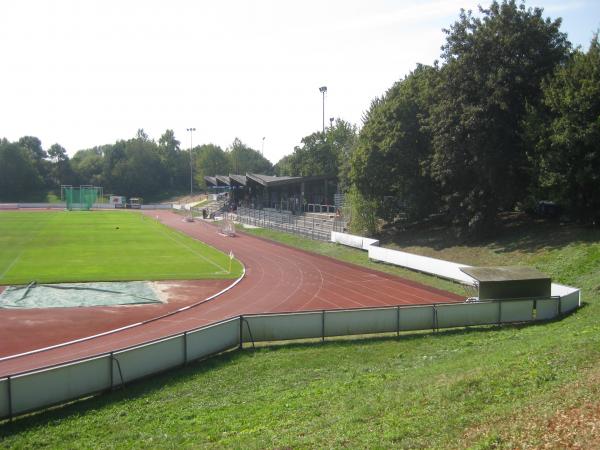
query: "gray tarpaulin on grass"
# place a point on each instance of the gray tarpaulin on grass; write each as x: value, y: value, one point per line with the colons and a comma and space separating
x: 78, y: 294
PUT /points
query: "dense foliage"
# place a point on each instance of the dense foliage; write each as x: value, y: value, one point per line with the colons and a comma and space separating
x: 565, y: 134
x: 322, y: 153
x: 510, y: 117
x: 135, y: 167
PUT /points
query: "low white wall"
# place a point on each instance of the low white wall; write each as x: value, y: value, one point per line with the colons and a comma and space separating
x: 467, y: 314
x: 352, y: 240
x: 95, y: 206
x: 213, y: 339
x: 4, y: 406
x: 438, y: 267
x: 59, y: 384
x: 42, y: 205
x: 42, y: 388
x: 158, y: 206
x: 546, y: 309
x: 147, y: 359
x: 570, y: 301
x: 279, y: 327
x: 346, y: 323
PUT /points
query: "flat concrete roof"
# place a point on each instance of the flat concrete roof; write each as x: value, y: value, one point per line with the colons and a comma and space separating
x: 504, y: 273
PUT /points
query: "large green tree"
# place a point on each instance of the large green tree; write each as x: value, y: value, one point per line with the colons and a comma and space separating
x: 322, y: 153
x: 174, y: 160
x: 393, y: 155
x: 88, y: 166
x: 243, y: 159
x: 19, y: 176
x: 60, y: 170
x: 210, y: 160
x: 565, y: 132
x: 494, y: 67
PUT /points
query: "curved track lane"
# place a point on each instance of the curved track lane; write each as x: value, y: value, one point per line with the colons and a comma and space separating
x: 278, y: 279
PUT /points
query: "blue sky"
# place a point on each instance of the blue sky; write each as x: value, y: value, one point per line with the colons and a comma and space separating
x: 89, y: 73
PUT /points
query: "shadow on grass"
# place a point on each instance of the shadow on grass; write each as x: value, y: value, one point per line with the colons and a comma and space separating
x: 135, y: 389
x: 514, y: 232
x: 153, y: 383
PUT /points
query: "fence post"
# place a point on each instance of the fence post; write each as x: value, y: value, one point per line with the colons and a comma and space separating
x: 560, y: 305
x: 241, y: 346
x: 398, y: 320
x: 323, y: 326
x: 112, y: 381
x: 185, y: 349
x: 10, y: 403
x: 499, y: 312
x: 435, y: 319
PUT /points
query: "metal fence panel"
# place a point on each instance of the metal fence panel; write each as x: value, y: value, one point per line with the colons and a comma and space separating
x: 416, y: 318
x: 516, y: 311
x: 51, y: 386
x: 213, y: 339
x: 362, y: 321
x: 570, y: 302
x: 546, y: 309
x: 147, y: 359
x: 4, y: 396
x: 466, y: 314
x: 279, y: 327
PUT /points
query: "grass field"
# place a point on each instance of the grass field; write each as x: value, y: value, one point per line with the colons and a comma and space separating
x: 101, y: 246
x: 487, y: 387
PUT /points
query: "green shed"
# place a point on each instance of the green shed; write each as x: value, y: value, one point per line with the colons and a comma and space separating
x: 510, y: 282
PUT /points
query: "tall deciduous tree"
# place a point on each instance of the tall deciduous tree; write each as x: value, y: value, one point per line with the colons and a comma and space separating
x: 210, y: 160
x: 60, y: 170
x: 565, y: 131
x: 18, y: 174
x: 321, y: 153
x: 243, y: 159
x: 172, y: 160
x: 393, y: 154
x: 494, y: 67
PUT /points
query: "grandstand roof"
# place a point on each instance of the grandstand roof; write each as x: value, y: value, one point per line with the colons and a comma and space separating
x: 264, y: 180
x: 223, y: 179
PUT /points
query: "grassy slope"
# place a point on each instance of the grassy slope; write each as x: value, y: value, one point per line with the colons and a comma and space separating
x: 101, y: 246
x: 484, y: 387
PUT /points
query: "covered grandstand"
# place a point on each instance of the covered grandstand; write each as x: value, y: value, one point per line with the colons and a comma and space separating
x: 295, y: 194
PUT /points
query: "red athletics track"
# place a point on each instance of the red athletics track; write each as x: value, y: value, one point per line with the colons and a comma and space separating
x: 278, y: 278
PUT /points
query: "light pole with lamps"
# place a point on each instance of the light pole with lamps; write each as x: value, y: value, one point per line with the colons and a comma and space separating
x: 322, y: 90
x: 262, y: 149
x: 191, y: 130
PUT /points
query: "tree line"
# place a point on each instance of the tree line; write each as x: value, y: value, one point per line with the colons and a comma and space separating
x: 135, y: 167
x: 510, y: 115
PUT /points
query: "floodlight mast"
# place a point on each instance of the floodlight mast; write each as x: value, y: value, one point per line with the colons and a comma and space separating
x: 322, y: 90
x: 191, y: 130
x: 262, y: 149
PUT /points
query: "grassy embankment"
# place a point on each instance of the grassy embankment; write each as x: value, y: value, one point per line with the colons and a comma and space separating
x: 486, y: 387
x: 75, y: 246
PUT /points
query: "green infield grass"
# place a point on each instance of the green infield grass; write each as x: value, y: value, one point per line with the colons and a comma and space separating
x: 52, y: 247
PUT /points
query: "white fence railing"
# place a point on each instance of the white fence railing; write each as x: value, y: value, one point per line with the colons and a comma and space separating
x: 438, y: 267
x: 29, y: 391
